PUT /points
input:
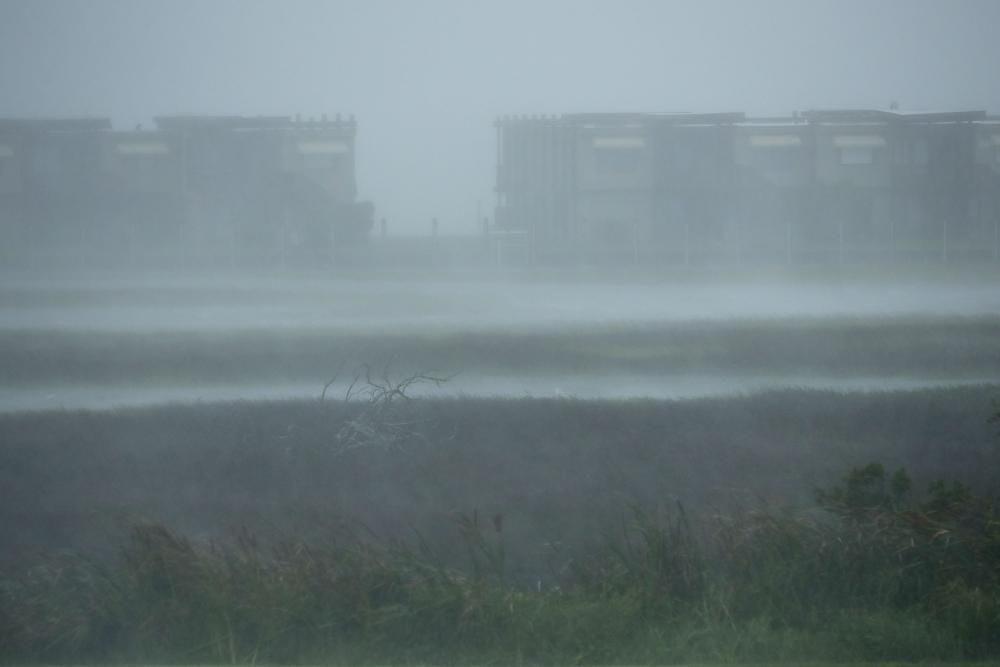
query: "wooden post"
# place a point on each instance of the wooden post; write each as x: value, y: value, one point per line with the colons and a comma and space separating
x: 635, y: 243
x: 944, y: 239
x: 996, y: 236
x: 233, y: 236
x: 892, y: 229
x: 788, y: 241
x: 687, y: 242
x: 840, y: 240
x: 284, y: 238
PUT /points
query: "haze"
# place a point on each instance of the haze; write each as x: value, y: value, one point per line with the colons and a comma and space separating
x: 426, y: 79
x: 480, y: 332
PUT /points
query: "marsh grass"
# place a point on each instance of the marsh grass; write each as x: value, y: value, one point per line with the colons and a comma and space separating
x: 579, y: 551
x: 560, y: 471
x: 859, y: 582
x: 839, y: 347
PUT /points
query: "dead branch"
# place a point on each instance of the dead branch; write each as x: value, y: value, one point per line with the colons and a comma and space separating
x: 377, y: 391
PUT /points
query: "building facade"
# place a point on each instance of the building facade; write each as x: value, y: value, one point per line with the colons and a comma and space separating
x: 192, y: 189
x: 815, y: 187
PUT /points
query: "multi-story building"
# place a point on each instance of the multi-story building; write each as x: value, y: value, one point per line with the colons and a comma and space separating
x: 194, y: 188
x: 50, y: 180
x: 818, y: 186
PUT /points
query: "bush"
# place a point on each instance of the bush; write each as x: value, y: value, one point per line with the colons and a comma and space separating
x: 871, y: 575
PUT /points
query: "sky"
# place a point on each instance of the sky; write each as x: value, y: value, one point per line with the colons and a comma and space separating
x: 425, y: 79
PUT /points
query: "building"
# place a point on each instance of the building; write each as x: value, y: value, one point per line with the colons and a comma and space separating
x: 193, y: 189
x: 816, y: 187
x: 50, y: 180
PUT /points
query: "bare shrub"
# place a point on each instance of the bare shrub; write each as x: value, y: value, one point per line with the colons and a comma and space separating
x: 376, y: 423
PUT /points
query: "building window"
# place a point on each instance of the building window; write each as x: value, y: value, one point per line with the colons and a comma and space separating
x: 323, y: 147
x: 859, y: 149
x: 618, y: 155
x: 851, y: 155
x: 776, y: 152
x: 142, y: 148
x: 6, y: 158
x: 319, y: 161
x: 773, y: 141
x: 778, y: 159
x: 45, y: 163
x: 145, y: 171
x: 617, y: 161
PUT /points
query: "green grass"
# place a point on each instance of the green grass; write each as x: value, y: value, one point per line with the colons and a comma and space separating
x: 491, y: 531
x: 811, y: 663
x: 879, y: 583
x: 547, y: 464
x: 925, y: 347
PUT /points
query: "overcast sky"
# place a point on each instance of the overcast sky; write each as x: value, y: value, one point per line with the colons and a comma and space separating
x: 426, y: 79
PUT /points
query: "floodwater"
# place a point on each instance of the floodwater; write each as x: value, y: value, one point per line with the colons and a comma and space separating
x: 460, y: 305
x: 398, y: 306
x: 614, y: 387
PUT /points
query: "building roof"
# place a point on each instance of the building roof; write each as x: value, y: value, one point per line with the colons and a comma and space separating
x: 197, y: 122
x: 630, y: 118
x: 833, y: 116
x: 657, y: 117
x: 890, y: 115
x: 54, y: 124
x: 181, y: 122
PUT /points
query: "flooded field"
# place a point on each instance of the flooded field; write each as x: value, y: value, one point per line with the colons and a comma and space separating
x: 461, y: 304
x: 102, y: 343
x: 99, y: 397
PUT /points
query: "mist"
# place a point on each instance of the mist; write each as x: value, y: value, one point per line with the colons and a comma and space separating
x: 466, y: 332
x: 427, y: 80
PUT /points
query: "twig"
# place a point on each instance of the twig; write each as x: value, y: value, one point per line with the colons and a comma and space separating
x: 336, y: 374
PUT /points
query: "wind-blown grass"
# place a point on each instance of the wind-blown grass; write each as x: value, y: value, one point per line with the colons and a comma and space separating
x: 920, y: 347
x: 871, y: 580
x: 502, y: 531
x: 69, y: 479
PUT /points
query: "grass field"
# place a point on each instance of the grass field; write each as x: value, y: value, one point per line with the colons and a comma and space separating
x: 551, y: 465
x: 923, y: 663
x: 951, y: 348
x: 475, y: 531
x: 479, y: 529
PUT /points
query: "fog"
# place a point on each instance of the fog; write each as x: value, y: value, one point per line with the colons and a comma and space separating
x: 294, y: 331
x: 458, y: 304
x: 118, y: 248
x: 499, y: 332
x: 592, y: 387
x: 426, y: 80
